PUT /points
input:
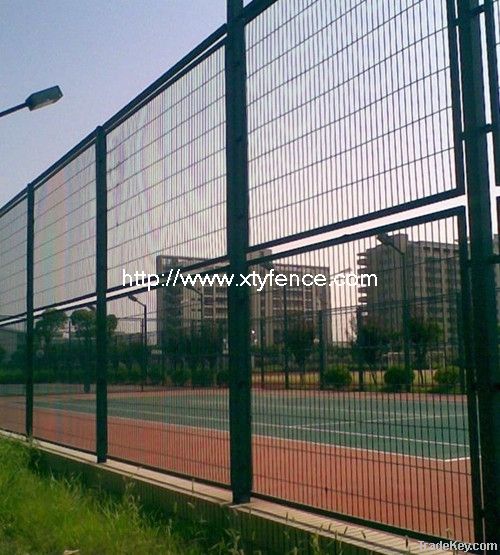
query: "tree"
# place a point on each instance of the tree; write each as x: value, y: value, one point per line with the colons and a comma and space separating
x: 203, y: 347
x: 111, y: 324
x: 198, y: 347
x: 371, y: 343
x: 49, y: 326
x: 84, y: 322
x: 299, y: 339
x: 423, y: 335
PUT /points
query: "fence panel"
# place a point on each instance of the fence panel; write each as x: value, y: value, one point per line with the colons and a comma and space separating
x: 13, y: 377
x: 363, y: 397
x: 343, y: 421
x: 166, y: 176
x: 350, y: 112
x: 13, y: 260
x: 167, y: 382
x: 167, y: 210
x: 64, y: 233
x: 64, y: 377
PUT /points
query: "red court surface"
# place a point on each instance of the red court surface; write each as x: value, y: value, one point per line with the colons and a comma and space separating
x: 426, y: 495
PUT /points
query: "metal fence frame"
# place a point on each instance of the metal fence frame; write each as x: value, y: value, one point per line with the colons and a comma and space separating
x: 478, y: 299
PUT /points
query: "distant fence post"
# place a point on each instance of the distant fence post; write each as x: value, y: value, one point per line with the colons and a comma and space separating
x: 237, y: 244
x: 322, y: 349
x: 30, y: 332
x: 465, y: 338
x: 101, y: 308
x: 484, y: 317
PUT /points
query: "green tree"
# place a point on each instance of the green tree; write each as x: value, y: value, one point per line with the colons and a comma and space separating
x: 112, y: 324
x: 299, y: 340
x: 371, y: 343
x: 83, y: 320
x: 198, y: 347
x: 49, y: 326
x: 423, y: 335
x: 209, y: 338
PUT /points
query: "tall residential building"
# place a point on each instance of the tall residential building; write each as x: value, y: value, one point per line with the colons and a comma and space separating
x: 433, y: 284
x: 11, y: 340
x: 277, y: 306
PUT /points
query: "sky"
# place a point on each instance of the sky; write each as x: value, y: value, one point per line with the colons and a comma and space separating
x: 101, y: 54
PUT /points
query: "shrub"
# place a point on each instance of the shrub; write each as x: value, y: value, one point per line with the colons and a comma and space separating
x: 222, y: 378
x: 12, y: 376
x: 202, y: 376
x: 123, y: 374
x: 337, y: 377
x: 155, y: 374
x: 179, y: 376
x: 397, y: 378
x: 447, y: 378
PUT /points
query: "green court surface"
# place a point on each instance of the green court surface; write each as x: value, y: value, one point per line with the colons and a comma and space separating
x: 427, y: 426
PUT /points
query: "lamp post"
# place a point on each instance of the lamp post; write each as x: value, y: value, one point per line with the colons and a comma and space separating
x: 37, y: 100
x: 323, y: 354
x: 269, y: 266
x: 389, y: 242
x: 134, y: 299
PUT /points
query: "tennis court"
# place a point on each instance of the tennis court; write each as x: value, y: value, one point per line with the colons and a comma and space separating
x: 427, y: 426
x: 402, y: 459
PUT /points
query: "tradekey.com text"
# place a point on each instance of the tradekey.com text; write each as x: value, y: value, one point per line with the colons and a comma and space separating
x: 253, y: 279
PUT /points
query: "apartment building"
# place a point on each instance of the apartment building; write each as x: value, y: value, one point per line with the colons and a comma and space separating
x: 432, y: 280
x: 271, y: 309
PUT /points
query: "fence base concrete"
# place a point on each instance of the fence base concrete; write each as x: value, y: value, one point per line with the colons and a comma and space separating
x: 261, y: 526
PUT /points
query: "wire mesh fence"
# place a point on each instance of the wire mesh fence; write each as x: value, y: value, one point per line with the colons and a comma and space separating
x: 64, y: 233
x: 303, y: 139
x: 64, y: 378
x: 12, y: 377
x: 350, y: 112
x: 350, y: 413
x: 13, y: 256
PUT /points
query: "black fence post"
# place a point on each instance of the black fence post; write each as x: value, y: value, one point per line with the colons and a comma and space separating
x: 101, y: 308
x: 237, y: 244
x: 322, y: 349
x: 286, y: 338
x: 30, y: 332
x: 466, y: 338
x: 484, y: 317
x: 262, y: 333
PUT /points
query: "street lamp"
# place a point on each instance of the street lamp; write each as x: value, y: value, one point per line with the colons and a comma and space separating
x: 134, y: 299
x: 389, y: 242
x: 37, y: 100
x: 323, y: 354
x: 269, y: 266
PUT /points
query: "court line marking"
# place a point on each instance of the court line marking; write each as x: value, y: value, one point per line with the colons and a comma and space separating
x: 400, y: 416
x: 312, y: 427
x: 331, y: 445
x: 267, y: 437
x: 291, y: 440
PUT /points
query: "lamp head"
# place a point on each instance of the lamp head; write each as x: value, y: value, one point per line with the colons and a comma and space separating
x: 43, y: 98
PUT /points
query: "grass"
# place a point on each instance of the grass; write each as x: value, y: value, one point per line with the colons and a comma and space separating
x: 40, y: 515
x: 44, y: 515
